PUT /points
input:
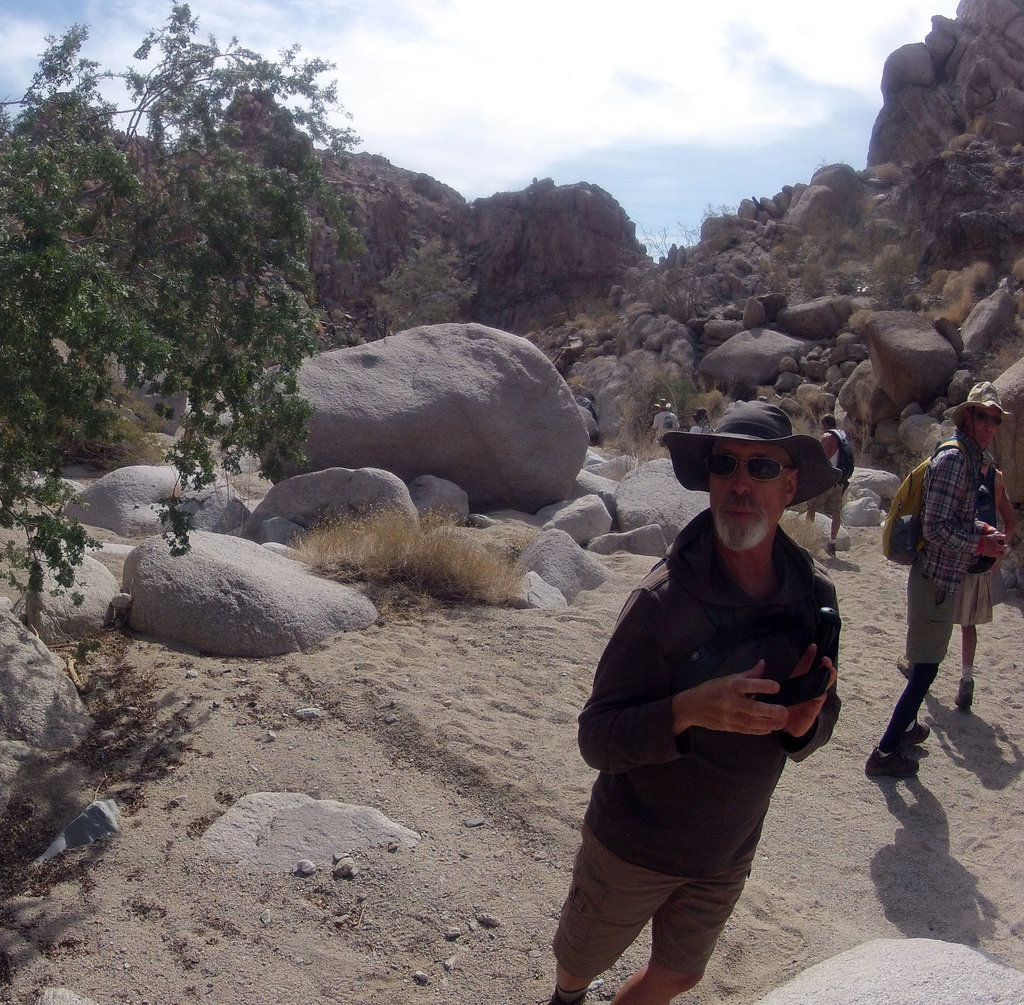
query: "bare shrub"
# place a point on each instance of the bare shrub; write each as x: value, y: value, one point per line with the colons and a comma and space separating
x: 858, y: 322
x: 888, y: 173
x: 962, y: 289
x: 646, y: 385
x: 893, y: 273
x: 1008, y: 352
x: 408, y: 562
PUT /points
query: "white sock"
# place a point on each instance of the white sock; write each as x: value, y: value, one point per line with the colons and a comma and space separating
x: 967, y: 674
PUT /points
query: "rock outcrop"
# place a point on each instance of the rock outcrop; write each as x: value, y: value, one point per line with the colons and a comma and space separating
x: 531, y: 255
x: 476, y: 406
x: 965, y: 76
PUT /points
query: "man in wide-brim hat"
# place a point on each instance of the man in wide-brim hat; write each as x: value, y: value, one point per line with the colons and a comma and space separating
x: 685, y: 722
x: 953, y: 539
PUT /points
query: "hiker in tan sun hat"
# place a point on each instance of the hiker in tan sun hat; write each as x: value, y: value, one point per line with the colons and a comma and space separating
x: 953, y: 538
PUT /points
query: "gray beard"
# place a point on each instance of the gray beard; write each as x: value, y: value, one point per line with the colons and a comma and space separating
x: 740, y: 537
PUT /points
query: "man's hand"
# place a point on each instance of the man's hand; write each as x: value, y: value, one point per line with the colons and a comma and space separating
x: 724, y: 703
x: 802, y: 717
x: 992, y: 543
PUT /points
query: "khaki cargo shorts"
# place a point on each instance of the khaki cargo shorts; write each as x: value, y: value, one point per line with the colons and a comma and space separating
x: 929, y: 623
x: 610, y: 901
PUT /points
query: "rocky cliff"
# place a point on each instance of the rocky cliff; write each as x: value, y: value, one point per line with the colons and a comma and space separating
x: 965, y: 77
x: 532, y: 256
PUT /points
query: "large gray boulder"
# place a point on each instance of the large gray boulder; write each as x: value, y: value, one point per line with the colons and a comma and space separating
x: 57, y: 618
x: 904, y: 972
x: 816, y: 319
x: 582, y: 519
x: 129, y: 502
x: 882, y: 484
x: 650, y: 494
x: 910, y: 359
x: 649, y: 540
x: 750, y: 359
x: 1009, y: 444
x: 474, y: 405
x: 40, y: 705
x: 562, y: 563
x: 305, y: 500
x: 432, y: 494
x: 235, y: 598
x: 990, y: 322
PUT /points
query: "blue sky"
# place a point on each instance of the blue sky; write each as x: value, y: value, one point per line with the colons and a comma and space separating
x: 672, y: 108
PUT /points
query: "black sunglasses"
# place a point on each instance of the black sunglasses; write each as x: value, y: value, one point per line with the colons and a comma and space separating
x: 761, y: 469
x: 992, y: 420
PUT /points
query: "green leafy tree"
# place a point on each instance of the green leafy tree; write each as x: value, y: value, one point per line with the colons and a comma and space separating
x: 424, y: 289
x: 161, y: 244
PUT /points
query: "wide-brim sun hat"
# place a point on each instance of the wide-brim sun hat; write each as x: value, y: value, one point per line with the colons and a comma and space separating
x: 752, y: 420
x: 983, y: 395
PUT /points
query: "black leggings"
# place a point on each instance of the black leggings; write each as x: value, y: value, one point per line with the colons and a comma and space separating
x: 905, y: 713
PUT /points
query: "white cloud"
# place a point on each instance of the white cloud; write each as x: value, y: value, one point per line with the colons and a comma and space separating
x: 482, y: 95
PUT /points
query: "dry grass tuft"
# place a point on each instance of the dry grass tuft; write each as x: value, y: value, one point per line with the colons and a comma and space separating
x: 960, y: 291
x: 408, y: 563
x: 804, y: 532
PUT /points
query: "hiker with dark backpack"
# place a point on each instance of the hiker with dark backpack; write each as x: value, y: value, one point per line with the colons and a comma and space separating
x: 839, y: 451
x: 953, y: 539
x: 978, y: 591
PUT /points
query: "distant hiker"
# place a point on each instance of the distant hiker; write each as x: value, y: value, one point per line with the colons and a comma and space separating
x: 664, y: 419
x: 978, y: 591
x: 700, y: 421
x: 839, y: 452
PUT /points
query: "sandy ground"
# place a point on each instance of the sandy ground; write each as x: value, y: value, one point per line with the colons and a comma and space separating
x: 461, y: 726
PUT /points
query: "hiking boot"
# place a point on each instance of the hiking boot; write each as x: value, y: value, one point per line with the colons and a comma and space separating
x: 964, y: 695
x: 830, y: 549
x: 917, y: 733
x: 896, y: 765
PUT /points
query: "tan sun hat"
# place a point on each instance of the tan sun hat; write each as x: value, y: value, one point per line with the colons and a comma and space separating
x: 983, y: 395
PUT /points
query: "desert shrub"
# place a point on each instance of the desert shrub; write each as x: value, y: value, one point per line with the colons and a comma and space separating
x: 812, y: 277
x: 406, y: 562
x: 681, y: 299
x: 962, y: 289
x: 893, y: 273
x: 888, y: 173
x: 859, y: 321
x: 424, y: 289
x: 713, y: 401
x: 126, y: 441
x: 1009, y: 351
x: 959, y: 142
x: 636, y: 407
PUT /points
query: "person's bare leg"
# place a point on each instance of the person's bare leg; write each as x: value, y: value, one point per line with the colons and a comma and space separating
x: 571, y: 984
x: 655, y: 985
x: 968, y: 645
x: 836, y: 524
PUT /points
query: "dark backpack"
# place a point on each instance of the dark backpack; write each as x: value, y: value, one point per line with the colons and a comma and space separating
x: 844, y: 461
x: 988, y: 512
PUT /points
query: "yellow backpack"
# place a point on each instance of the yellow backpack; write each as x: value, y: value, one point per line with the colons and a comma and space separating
x: 902, y: 536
